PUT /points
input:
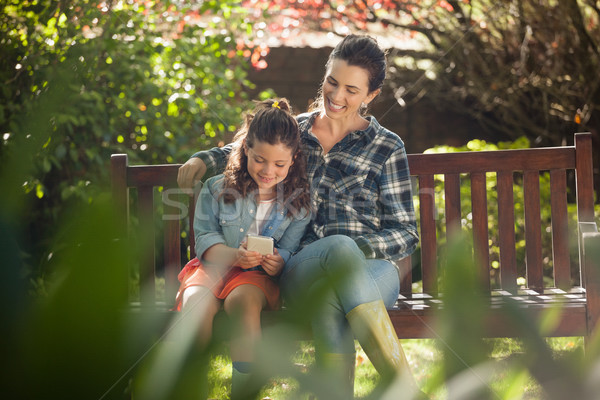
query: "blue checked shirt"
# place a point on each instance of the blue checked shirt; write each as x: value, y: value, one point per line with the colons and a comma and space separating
x: 361, y: 188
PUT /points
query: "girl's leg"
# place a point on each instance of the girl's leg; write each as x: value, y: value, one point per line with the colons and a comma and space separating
x: 198, y: 312
x: 244, y: 305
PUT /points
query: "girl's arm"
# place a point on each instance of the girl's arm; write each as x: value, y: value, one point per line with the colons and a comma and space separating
x: 273, y: 264
x: 290, y: 240
x: 211, y: 247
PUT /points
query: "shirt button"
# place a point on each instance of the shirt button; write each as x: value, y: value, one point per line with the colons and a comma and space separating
x: 270, y: 227
x: 222, y: 221
x: 241, y: 229
x: 251, y: 211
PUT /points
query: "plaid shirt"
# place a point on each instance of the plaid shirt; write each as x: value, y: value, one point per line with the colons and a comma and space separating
x: 361, y: 188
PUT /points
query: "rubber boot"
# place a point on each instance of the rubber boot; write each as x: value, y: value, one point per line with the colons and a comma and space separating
x: 373, y: 328
x: 340, y: 369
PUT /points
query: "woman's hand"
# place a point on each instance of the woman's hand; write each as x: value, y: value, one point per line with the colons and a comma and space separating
x: 190, y: 173
x: 272, y: 264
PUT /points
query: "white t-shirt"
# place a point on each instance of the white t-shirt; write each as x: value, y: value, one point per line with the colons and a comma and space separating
x: 263, y: 209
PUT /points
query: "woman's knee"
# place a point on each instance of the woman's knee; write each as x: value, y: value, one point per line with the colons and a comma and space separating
x: 342, y: 250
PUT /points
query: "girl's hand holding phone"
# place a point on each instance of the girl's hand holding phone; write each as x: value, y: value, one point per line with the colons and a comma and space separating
x: 246, y: 258
x: 272, y: 263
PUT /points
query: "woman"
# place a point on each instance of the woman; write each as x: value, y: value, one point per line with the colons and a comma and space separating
x: 363, y: 216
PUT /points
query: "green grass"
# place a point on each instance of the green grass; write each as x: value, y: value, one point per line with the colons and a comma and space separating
x: 426, y: 360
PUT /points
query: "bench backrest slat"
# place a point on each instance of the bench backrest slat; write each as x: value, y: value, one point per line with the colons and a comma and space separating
x: 560, y: 229
x: 506, y: 232
x: 452, y: 202
x: 533, y: 230
x: 146, y: 237
x: 428, y: 237
x: 488, y: 161
x: 481, y: 247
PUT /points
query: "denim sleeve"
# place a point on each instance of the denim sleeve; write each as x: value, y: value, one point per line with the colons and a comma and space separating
x: 290, y: 240
x: 215, y: 159
x: 207, y: 230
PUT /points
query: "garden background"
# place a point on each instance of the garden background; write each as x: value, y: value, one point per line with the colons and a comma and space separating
x: 158, y: 80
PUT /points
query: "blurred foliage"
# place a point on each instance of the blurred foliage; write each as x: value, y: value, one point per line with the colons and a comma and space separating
x: 520, y: 68
x: 84, y: 79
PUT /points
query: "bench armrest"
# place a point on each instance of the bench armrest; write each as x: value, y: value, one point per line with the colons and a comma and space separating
x: 590, y: 269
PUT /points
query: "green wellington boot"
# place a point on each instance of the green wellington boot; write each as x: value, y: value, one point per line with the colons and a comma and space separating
x: 373, y: 328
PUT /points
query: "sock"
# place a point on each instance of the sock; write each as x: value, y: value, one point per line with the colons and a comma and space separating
x: 242, y: 366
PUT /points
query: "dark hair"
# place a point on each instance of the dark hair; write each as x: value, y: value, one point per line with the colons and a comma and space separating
x: 360, y: 51
x: 271, y: 122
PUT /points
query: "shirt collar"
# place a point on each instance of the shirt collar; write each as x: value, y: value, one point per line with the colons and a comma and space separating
x: 367, y: 135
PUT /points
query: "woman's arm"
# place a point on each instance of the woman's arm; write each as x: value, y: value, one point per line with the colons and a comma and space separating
x: 208, y: 162
x: 398, y: 236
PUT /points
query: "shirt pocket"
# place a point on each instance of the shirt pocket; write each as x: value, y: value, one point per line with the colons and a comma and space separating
x: 352, y: 183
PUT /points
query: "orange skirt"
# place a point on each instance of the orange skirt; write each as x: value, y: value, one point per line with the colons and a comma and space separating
x: 193, y: 274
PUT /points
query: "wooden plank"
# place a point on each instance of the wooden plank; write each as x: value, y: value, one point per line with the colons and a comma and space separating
x: 560, y: 230
x: 120, y: 198
x: 405, y: 274
x: 506, y: 232
x: 153, y: 175
x: 417, y: 324
x: 584, y: 177
x: 172, y: 255
x: 533, y: 232
x: 146, y: 249
x: 492, y: 161
x: 452, y: 202
x: 481, y: 247
x: 428, y: 235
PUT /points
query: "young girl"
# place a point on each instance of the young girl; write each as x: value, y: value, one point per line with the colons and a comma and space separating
x: 263, y: 191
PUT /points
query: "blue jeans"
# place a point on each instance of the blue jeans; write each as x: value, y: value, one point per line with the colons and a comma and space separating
x: 334, y: 271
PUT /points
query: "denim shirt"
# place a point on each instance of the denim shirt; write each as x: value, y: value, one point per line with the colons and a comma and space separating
x: 227, y: 223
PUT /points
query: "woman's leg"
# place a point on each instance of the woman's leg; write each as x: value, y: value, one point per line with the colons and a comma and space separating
x: 361, y: 287
x: 244, y: 305
x: 335, y: 261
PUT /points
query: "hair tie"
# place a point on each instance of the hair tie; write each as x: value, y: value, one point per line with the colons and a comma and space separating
x: 275, y: 105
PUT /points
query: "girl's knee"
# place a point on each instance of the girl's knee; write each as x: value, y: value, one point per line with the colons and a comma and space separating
x: 200, y: 297
x: 246, y: 299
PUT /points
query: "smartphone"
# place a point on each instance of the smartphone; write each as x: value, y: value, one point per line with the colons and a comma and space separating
x: 262, y: 244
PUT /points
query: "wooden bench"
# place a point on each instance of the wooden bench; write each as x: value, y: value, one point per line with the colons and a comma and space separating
x: 554, y: 277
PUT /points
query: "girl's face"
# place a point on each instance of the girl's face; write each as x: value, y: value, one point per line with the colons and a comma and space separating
x: 344, y: 89
x: 268, y: 164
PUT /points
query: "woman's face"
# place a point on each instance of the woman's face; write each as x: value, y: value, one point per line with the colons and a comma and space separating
x: 345, y: 88
x: 268, y: 164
